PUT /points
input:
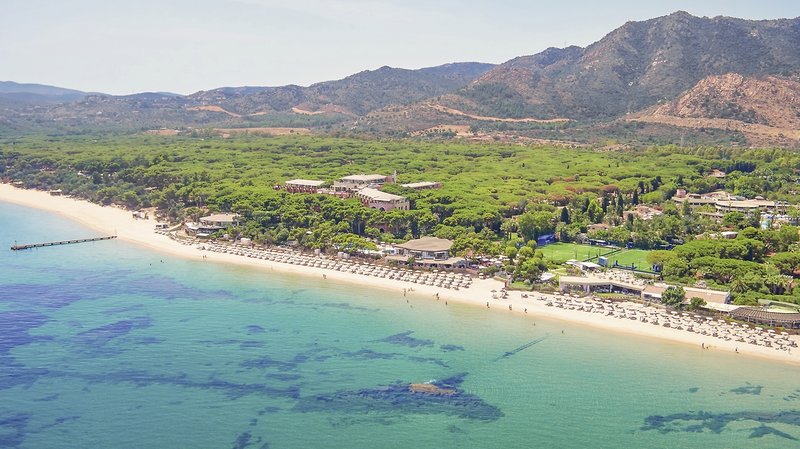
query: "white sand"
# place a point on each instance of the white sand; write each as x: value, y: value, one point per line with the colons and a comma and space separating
x: 113, y: 220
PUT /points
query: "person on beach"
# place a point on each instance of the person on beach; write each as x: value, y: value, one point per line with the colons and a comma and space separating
x: 487, y: 304
x: 324, y: 276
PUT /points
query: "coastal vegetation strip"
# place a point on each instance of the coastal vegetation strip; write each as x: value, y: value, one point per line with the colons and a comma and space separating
x: 492, y: 201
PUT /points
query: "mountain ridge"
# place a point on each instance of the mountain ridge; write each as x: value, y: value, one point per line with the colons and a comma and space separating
x: 633, y: 67
x: 593, y: 92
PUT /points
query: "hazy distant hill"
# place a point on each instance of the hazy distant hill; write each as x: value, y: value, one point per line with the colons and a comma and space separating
x: 36, y: 94
x: 356, y: 95
x: 233, y: 106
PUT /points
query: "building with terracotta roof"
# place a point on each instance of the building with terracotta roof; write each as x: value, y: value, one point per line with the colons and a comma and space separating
x: 375, y: 199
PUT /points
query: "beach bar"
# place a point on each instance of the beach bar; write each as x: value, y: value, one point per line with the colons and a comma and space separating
x: 428, y: 251
x: 211, y: 224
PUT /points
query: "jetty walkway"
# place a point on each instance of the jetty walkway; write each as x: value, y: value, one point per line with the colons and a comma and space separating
x: 60, y: 242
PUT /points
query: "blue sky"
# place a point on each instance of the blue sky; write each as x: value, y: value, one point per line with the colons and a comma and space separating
x: 183, y: 46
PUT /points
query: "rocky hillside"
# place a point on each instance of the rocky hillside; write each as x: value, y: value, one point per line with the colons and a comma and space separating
x: 632, y: 68
x: 767, y: 108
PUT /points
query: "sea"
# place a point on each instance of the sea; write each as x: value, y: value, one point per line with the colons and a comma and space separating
x: 108, y: 345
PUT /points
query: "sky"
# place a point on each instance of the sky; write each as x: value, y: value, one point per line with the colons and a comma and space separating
x: 183, y: 46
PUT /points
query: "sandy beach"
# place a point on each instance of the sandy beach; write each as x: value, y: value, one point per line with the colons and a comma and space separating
x: 120, y: 222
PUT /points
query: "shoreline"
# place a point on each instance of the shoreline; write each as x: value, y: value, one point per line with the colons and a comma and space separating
x: 141, y: 232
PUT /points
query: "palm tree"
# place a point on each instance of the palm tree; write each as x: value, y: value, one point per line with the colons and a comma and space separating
x: 738, y: 285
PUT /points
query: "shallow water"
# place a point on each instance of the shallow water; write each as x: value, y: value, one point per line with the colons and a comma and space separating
x: 107, y: 345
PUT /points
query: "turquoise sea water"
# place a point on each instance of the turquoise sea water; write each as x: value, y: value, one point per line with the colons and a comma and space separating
x: 106, y: 345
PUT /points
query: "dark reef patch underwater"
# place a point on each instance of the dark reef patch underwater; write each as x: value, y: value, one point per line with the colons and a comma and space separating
x: 442, y: 397
x: 717, y: 422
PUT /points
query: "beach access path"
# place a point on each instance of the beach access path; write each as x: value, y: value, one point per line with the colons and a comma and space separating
x: 118, y: 221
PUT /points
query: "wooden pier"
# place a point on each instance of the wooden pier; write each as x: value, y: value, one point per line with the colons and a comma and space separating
x: 61, y: 242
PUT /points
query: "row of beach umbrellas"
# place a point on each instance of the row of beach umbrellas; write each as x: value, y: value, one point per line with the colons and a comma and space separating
x: 704, y: 325
x: 443, y: 279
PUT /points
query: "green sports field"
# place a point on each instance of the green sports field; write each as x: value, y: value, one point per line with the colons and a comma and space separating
x: 562, y: 252
x: 627, y: 257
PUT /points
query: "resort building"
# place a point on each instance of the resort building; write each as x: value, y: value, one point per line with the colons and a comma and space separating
x: 423, y: 185
x: 375, y: 199
x: 221, y: 220
x: 724, y: 202
x: 356, y: 182
x: 429, y: 252
x: 745, y: 206
x: 303, y: 186
x: 211, y: 224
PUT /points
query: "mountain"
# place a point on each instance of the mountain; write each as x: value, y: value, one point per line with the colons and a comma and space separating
x: 319, y: 104
x: 719, y: 80
x: 632, y: 68
x: 12, y: 93
x: 357, y: 94
x: 765, y: 107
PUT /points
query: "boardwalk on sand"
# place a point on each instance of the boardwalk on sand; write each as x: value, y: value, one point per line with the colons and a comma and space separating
x: 60, y: 242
